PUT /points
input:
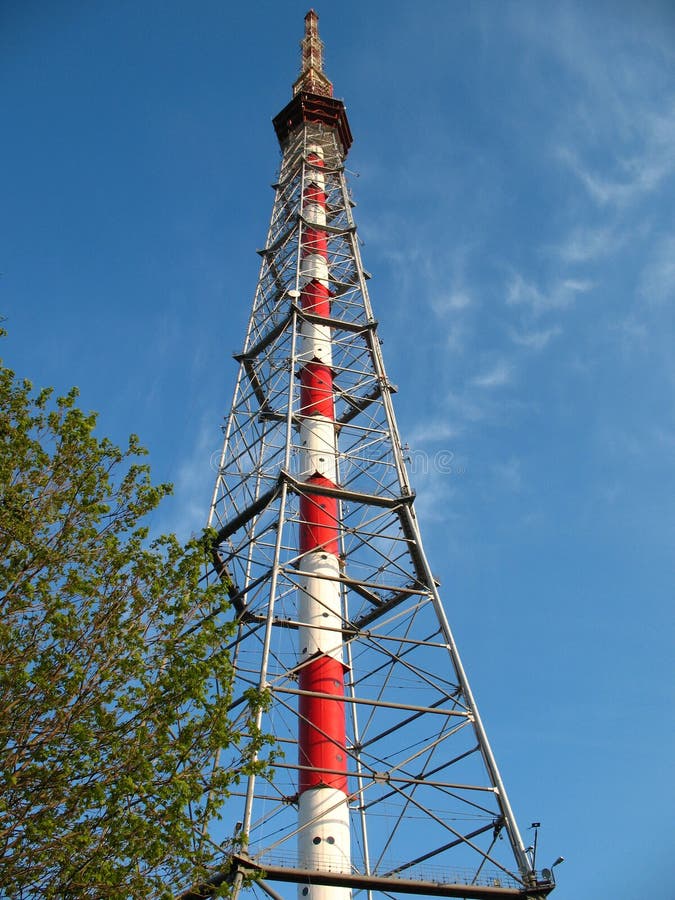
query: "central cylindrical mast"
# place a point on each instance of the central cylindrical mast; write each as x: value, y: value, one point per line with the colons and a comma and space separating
x: 323, y: 810
x: 322, y: 791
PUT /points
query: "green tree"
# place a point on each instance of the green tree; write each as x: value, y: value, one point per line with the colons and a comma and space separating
x: 114, y: 680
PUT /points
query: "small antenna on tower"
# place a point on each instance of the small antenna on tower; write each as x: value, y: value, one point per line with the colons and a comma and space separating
x: 312, y: 78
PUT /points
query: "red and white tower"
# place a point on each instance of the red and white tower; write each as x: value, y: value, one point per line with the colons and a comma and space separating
x: 386, y: 781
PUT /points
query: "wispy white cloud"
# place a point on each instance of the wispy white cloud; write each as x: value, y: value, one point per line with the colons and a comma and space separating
x: 428, y: 274
x: 657, y: 283
x: 615, y: 133
x: 508, y: 474
x: 464, y: 406
x: 588, y: 244
x: 626, y: 150
x: 665, y: 438
x: 434, y: 495
x: 632, y: 334
x: 452, y: 302
x: 451, y: 308
x: 630, y: 178
x: 456, y: 337
x: 535, y: 340
x: 560, y: 295
x: 193, y: 479
x: 432, y: 431
x: 654, y: 443
x: 498, y: 376
x: 616, y: 127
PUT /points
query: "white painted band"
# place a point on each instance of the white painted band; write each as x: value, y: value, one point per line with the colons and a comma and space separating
x: 315, y: 174
x: 324, y: 840
x: 314, y: 213
x: 314, y: 265
x: 316, y: 343
x: 319, y: 607
x: 318, y: 452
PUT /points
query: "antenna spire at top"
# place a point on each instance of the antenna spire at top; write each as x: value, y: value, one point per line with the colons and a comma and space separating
x: 312, y: 78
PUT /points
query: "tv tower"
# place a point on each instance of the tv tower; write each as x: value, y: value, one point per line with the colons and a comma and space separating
x: 386, y: 781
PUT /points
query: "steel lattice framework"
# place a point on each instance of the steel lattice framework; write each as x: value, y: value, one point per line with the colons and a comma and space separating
x: 318, y: 534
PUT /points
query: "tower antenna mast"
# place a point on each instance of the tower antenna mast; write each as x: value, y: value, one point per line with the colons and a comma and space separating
x: 386, y: 782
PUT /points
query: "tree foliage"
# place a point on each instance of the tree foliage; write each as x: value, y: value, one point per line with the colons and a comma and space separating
x: 114, y: 677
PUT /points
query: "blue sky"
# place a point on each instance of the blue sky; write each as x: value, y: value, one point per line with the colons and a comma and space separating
x: 514, y: 169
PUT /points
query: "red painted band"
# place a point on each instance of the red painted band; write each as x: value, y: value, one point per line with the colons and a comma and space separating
x: 316, y: 390
x: 315, y: 298
x: 314, y: 194
x: 319, y: 520
x: 322, y: 734
x: 314, y: 241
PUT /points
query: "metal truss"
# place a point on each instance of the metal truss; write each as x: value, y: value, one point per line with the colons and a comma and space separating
x: 429, y: 812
